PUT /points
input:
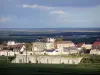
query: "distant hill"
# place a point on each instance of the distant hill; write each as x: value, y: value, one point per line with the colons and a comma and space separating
x: 53, y: 29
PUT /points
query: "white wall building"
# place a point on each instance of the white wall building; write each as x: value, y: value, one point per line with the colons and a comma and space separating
x: 62, y: 44
x: 11, y: 43
x: 95, y: 51
x: 40, y: 46
x: 18, y: 48
x: 83, y: 45
x: 51, y: 40
x: 87, y: 46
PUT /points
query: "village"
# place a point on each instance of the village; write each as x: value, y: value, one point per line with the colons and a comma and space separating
x: 49, y: 51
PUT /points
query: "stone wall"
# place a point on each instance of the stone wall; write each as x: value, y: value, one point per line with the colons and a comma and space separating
x: 46, y: 59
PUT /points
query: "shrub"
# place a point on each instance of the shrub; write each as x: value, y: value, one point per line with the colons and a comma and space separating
x: 92, y: 59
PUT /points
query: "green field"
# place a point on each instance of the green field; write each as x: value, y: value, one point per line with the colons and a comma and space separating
x: 88, y: 66
x: 45, y: 69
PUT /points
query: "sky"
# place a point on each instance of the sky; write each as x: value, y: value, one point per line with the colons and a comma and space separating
x: 49, y: 13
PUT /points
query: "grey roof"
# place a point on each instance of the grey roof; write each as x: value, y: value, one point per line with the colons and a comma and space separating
x: 70, y: 48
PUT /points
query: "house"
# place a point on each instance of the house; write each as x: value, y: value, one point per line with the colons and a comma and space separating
x: 95, y: 51
x: 83, y: 45
x: 96, y: 45
x: 87, y: 46
x: 15, y: 48
x: 61, y: 44
x: 6, y: 53
x: 40, y: 46
x: 70, y: 50
x: 18, y: 48
x: 95, y: 48
x: 84, y: 48
x: 51, y: 40
x: 50, y: 52
x: 79, y: 45
x: 11, y: 43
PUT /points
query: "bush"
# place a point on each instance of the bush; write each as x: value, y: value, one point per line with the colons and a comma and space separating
x: 92, y: 59
x: 4, y: 59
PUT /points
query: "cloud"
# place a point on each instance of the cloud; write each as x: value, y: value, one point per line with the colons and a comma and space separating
x: 57, y: 12
x: 36, y: 6
x: 3, y: 19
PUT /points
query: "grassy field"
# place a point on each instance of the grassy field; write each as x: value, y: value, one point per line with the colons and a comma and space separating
x: 90, y: 66
x: 45, y: 69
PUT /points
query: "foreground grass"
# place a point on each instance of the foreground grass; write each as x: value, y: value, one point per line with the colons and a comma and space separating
x: 83, y: 68
x: 51, y: 69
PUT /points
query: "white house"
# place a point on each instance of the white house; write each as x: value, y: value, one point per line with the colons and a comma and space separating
x: 40, y: 46
x: 6, y: 53
x: 62, y: 44
x: 11, y: 43
x: 95, y: 51
x: 87, y: 46
x: 51, y: 40
x: 18, y: 48
x: 83, y: 45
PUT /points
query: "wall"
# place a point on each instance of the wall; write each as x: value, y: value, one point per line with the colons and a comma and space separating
x: 7, y: 53
x: 47, y: 59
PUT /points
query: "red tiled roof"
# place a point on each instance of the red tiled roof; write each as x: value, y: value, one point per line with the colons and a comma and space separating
x: 19, y: 46
x: 96, y: 43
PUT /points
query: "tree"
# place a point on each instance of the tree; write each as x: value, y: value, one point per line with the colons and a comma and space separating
x: 28, y: 46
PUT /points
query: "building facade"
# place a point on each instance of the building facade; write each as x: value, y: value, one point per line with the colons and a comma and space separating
x: 62, y: 44
x: 40, y: 46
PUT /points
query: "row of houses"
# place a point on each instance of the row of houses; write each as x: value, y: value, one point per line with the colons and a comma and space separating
x: 50, y: 47
x: 65, y: 47
x: 48, y: 52
x: 12, y: 49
